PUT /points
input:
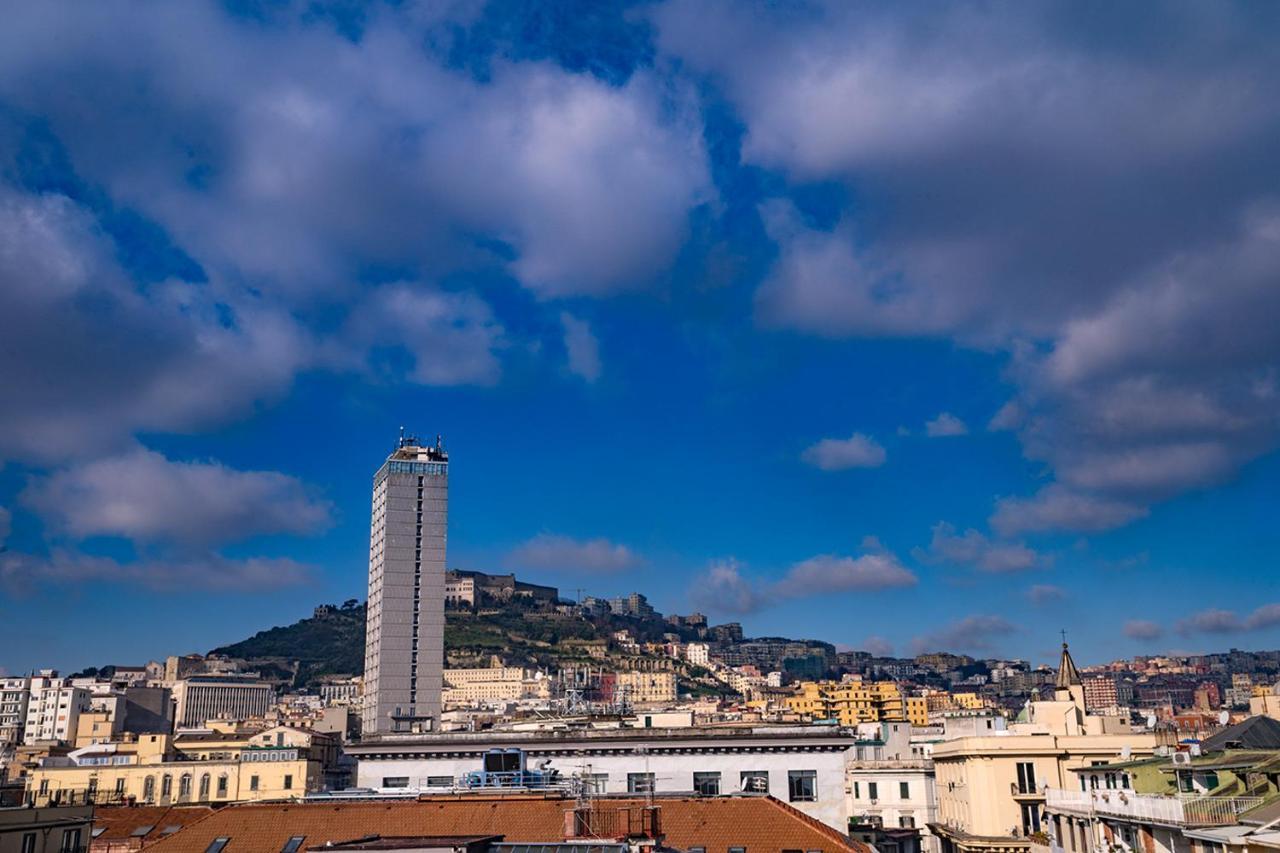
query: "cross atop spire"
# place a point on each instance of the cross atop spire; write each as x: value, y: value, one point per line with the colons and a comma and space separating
x: 1068, y: 675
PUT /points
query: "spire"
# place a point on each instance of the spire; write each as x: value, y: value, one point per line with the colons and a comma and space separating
x: 1068, y: 675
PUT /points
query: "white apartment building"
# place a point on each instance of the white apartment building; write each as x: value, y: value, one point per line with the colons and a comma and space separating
x: 53, y: 709
x: 14, y: 694
x: 800, y: 765
x: 890, y: 794
x: 698, y: 654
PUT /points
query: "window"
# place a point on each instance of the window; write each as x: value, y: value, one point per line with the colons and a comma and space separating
x: 28, y: 842
x: 737, y: 850
x: 904, y: 790
x: 754, y: 780
x: 120, y: 787
x: 873, y: 791
x: 166, y: 786
x: 907, y: 822
x: 439, y: 781
x: 292, y: 845
x: 253, y: 783
x: 149, y: 788
x: 222, y: 785
x: 639, y: 783
x: 216, y: 845
x: 706, y: 784
x: 802, y: 786
x: 395, y: 781
x: 1030, y: 818
x: 184, y: 787
x: 70, y: 840
x: 204, y: 786
x: 1027, y: 777
x: 288, y: 782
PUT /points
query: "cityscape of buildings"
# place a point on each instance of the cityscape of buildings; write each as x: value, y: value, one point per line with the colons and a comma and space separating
x: 938, y: 753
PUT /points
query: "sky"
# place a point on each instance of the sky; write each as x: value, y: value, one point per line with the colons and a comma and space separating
x: 938, y: 326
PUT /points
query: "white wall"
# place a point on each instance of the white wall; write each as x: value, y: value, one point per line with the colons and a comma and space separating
x: 672, y: 773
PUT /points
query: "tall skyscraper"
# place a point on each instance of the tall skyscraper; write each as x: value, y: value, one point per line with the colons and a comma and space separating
x: 404, y: 643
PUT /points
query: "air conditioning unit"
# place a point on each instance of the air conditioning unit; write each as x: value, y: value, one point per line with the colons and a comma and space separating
x: 1182, y: 758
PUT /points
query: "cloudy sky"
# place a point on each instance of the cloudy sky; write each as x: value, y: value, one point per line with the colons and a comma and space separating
x: 941, y: 326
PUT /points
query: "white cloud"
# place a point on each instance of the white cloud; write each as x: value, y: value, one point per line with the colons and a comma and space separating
x: 878, y: 646
x: 1043, y: 593
x: 838, y: 454
x: 723, y: 587
x: 1142, y: 352
x: 582, y: 347
x: 828, y: 573
x: 974, y: 549
x: 1056, y: 508
x: 945, y: 424
x: 22, y: 573
x: 145, y: 497
x: 1218, y: 621
x: 452, y: 338
x: 563, y: 553
x: 973, y: 634
x: 1143, y: 629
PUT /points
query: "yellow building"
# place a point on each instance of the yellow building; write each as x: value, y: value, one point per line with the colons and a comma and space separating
x: 153, y: 769
x: 852, y: 702
x: 647, y: 688
x: 991, y: 788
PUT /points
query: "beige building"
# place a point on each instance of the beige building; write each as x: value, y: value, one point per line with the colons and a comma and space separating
x: 493, y: 684
x: 991, y: 787
x: 644, y: 688
x: 158, y: 770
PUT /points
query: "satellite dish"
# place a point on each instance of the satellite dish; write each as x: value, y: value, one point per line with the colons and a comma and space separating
x: 1151, y: 721
x: 1224, y: 717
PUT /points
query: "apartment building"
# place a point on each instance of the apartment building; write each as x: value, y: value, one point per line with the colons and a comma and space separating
x: 890, y: 795
x: 14, y: 695
x: 493, y: 684
x: 647, y: 688
x: 1181, y: 802
x: 153, y: 770
x: 45, y: 830
x: 53, y: 709
x: 991, y: 788
x: 852, y: 702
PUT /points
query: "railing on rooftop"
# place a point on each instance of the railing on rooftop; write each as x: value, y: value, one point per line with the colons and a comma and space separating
x: 1186, y: 810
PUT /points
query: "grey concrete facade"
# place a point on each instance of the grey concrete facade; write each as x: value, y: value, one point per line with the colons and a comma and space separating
x: 404, y: 643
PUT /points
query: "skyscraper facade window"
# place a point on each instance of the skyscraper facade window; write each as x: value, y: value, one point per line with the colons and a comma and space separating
x: 404, y: 643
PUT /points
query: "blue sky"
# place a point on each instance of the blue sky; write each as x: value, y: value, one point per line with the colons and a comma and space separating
x: 941, y: 327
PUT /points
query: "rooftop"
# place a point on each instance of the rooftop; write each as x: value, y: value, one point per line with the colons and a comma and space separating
x: 761, y: 824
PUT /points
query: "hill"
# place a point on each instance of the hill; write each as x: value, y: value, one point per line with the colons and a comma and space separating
x: 331, y: 642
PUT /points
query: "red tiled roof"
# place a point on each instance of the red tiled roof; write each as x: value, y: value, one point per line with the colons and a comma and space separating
x: 120, y: 822
x: 760, y: 824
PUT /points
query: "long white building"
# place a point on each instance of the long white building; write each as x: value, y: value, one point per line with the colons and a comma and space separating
x: 803, y: 766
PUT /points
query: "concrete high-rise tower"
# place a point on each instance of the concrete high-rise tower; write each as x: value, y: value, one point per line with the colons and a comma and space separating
x: 404, y: 641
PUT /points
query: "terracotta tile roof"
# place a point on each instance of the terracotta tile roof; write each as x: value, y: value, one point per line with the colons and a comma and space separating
x: 760, y: 824
x: 120, y: 822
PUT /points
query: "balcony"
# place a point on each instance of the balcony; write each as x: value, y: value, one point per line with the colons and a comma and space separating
x: 1189, y: 810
